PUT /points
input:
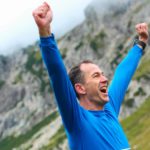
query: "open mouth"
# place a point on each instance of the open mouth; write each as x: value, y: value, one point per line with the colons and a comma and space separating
x: 103, y: 89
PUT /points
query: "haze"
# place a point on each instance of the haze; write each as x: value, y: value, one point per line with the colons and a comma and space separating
x: 18, y: 29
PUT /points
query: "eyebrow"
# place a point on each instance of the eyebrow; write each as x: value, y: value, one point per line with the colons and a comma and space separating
x: 101, y: 73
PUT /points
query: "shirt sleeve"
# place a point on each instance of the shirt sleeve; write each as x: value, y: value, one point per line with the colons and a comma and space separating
x: 123, y: 76
x: 64, y: 92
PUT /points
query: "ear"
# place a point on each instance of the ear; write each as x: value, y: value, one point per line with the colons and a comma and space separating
x: 80, y: 89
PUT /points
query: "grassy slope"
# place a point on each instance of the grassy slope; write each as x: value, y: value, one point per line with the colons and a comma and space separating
x: 137, y: 127
x: 56, y: 140
x: 11, y: 142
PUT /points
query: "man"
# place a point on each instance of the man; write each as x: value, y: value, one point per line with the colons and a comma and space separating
x: 92, y: 123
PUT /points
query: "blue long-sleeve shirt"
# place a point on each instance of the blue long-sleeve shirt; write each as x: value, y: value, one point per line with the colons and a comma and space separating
x: 90, y: 130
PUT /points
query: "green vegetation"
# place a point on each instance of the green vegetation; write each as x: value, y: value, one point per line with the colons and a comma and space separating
x: 98, y: 41
x: 143, y: 70
x: 38, y: 58
x: 34, y: 64
x: 79, y: 45
x: 101, y: 35
x: 11, y: 142
x: 1, y: 83
x: 129, y: 102
x: 18, y: 78
x: 63, y: 52
x: 94, y: 45
x: 119, y: 53
x: 56, y: 140
x: 129, y: 24
x: 120, y: 46
x: 137, y: 127
x: 34, y: 58
x: 140, y: 91
x: 45, y: 84
x: 119, y: 56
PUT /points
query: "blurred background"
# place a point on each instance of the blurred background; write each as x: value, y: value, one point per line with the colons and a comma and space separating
x: 98, y: 30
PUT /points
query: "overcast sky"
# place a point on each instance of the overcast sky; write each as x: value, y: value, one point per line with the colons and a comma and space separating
x: 17, y: 27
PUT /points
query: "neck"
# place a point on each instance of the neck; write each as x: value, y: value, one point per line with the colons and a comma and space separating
x: 89, y: 105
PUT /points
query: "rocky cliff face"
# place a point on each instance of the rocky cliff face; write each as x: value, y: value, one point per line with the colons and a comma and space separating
x: 24, y: 91
x: 105, y: 36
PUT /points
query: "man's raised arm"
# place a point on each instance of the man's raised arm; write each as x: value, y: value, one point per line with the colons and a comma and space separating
x: 127, y: 67
x: 64, y: 92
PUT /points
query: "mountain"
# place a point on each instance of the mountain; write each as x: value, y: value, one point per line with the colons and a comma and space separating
x: 28, y: 113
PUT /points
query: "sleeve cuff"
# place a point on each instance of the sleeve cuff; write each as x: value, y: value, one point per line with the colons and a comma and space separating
x: 45, y: 41
x: 138, y: 49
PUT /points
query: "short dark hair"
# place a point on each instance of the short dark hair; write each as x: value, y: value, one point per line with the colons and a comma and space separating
x: 76, y: 75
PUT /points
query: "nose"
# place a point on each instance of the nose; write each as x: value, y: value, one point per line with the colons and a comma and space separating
x: 103, y: 79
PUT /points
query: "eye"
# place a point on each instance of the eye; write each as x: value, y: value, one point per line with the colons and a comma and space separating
x: 96, y: 75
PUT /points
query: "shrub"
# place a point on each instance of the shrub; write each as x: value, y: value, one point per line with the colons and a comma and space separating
x: 129, y: 102
x: 79, y: 45
x: 140, y: 91
x: 1, y: 83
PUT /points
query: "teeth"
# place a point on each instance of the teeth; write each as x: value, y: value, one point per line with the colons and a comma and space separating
x: 103, y: 88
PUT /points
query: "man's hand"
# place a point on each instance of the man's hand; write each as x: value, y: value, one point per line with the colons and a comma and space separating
x: 142, y: 30
x: 43, y: 17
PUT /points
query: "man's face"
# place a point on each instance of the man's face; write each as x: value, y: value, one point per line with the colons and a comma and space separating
x: 95, y: 84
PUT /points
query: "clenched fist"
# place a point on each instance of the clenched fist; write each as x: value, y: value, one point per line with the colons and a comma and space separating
x: 43, y: 17
x: 142, y: 30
